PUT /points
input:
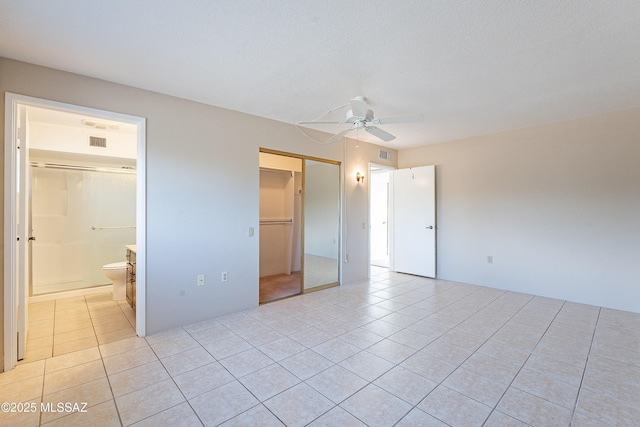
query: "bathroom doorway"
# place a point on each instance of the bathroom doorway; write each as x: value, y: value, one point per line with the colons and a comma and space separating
x: 299, y: 224
x: 82, y: 201
x: 52, y: 189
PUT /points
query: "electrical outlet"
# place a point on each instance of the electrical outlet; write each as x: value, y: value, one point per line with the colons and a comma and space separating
x: 225, y: 276
x: 201, y: 280
x: 489, y: 259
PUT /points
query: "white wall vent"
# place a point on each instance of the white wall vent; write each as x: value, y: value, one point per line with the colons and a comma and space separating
x: 96, y: 141
x: 384, y: 155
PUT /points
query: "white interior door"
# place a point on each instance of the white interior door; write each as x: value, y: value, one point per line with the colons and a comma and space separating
x: 24, y: 230
x: 414, y: 221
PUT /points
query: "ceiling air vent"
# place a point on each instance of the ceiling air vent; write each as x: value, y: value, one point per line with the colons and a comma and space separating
x: 384, y: 155
x: 96, y: 141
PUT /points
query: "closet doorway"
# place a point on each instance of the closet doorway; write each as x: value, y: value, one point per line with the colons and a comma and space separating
x: 299, y: 224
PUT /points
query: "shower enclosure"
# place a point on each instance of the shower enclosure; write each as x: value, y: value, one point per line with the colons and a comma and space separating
x: 82, y: 217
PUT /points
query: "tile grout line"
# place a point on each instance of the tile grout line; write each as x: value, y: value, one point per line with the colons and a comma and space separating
x: 460, y: 364
x: 110, y: 386
x: 474, y: 352
x: 176, y: 384
x: 44, y: 373
x: 584, y: 371
x: 522, y: 367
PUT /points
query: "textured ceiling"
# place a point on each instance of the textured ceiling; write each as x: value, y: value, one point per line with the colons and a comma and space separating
x: 471, y: 67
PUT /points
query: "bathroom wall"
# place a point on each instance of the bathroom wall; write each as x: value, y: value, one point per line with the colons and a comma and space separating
x: 67, y: 254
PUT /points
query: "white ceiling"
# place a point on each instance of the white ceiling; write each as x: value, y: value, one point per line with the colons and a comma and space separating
x: 471, y: 67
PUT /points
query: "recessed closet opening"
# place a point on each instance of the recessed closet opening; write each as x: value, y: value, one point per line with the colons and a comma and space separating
x: 299, y: 224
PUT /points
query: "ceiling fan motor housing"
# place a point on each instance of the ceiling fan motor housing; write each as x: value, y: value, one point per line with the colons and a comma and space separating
x: 354, y: 119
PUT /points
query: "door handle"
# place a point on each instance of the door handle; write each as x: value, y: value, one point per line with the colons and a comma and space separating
x: 430, y: 227
x: 32, y: 238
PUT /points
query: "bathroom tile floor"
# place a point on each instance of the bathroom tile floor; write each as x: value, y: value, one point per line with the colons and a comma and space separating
x: 66, y: 325
x: 393, y: 350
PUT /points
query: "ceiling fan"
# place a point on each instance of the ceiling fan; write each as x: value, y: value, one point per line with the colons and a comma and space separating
x: 360, y: 116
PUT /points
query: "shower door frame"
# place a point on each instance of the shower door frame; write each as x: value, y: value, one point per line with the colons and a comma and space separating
x: 12, y: 103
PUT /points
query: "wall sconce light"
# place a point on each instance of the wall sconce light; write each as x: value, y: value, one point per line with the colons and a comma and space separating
x: 359, y: 177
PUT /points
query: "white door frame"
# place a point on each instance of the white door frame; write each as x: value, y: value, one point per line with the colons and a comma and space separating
x: 389, y: 168
x: 12, y: 101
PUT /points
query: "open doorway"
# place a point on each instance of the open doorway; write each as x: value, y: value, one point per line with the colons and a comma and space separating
x: 51, y: 188
x: 379, y: 216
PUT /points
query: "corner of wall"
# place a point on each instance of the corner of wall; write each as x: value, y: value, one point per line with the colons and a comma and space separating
x: 2, y: 92
x: 358, y: 155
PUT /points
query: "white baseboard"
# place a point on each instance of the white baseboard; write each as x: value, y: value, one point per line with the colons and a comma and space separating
x: 70, y: 294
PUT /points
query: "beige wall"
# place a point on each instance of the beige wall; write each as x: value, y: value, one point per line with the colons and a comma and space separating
x: 202, y: 189
x: 557, y: 206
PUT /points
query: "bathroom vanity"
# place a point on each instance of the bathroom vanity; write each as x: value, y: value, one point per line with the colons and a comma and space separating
x: 131, y: 275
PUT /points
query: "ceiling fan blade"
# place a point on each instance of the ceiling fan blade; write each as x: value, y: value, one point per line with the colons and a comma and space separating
x: 359, y: 107
x: 400, y: 119
x: 339, y: 135
x: 320, y: 123
x: 383, y: 135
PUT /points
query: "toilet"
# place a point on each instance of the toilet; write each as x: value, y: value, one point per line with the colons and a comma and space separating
x: 117, y: 273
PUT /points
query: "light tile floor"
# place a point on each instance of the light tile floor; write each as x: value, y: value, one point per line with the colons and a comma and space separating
x: 66, y: 325
x: 394, y: 350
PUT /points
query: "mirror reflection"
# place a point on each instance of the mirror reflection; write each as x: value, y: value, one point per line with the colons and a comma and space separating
x: 321, y: 224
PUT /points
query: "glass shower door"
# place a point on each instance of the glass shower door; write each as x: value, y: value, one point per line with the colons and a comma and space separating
x: 83, y: 220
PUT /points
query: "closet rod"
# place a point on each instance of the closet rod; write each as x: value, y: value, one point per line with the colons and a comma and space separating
x: 95, y: 227
x: 275, y: 221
